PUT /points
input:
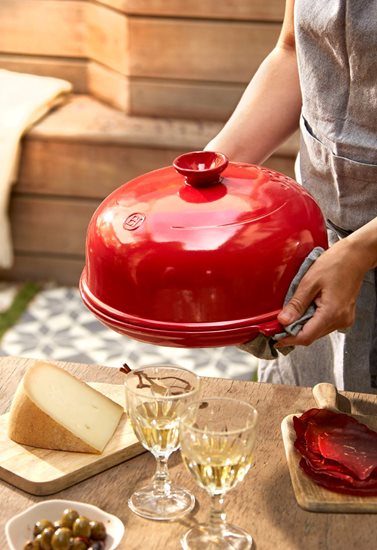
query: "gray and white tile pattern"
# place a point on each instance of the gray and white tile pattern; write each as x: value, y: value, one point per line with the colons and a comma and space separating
x: 57, y: 326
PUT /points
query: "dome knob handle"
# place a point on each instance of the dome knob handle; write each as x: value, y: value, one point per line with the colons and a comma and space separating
x: 201, y: 168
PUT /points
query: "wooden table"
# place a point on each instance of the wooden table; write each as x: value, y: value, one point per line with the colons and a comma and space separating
x: 263, y: 504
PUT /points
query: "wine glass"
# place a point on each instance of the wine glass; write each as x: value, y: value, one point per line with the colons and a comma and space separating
x: 156, y: 395
x: 217, y: 437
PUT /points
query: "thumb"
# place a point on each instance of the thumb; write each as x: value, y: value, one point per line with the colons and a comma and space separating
x: 292, y: 311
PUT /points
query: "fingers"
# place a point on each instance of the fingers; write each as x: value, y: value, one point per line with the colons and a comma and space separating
x: 311, y: 331
x: 305, y: 294
x: 326, y: 319
x: 293, y: 310
x: 333, y: 291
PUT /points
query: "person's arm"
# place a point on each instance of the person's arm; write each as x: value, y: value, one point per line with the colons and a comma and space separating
x: 333, y: 283
x: 268, y: 112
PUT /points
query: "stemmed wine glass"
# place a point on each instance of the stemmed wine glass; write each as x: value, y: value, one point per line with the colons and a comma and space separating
x: 156, y: 396
x: 217, y: 439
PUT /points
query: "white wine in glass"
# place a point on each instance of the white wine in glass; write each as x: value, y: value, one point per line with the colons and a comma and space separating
x: 217, y: 438
x: 156, y: 396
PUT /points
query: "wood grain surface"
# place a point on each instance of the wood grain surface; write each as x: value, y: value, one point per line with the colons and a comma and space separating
x: 264, y: 503
x: 327, y: 396
x: 272, y: 10
x: 45, y: 472
x: 43, y: 28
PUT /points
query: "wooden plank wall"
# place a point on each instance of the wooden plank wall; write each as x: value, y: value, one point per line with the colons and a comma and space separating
x: 175, y: 58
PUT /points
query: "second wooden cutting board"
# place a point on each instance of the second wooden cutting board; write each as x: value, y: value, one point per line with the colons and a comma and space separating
x: 44, y: 472
x: 309, y: 495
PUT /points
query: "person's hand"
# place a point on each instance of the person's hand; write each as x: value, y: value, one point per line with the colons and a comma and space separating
x: 332, y: 283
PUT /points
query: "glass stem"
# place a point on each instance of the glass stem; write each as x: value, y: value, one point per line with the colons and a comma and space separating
x: 161, y: 479
x: 217, y: 516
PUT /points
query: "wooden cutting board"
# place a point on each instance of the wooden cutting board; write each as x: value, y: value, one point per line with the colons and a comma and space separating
x: 311, y: 496
x: 44, y: 472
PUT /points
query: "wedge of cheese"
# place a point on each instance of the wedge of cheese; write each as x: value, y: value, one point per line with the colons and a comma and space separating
x: 53, y: 409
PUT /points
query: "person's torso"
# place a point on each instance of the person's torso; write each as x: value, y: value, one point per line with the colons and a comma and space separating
x: 336, y: 43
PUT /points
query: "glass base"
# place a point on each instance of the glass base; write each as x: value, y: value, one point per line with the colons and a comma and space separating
x: 231, y: 538
x: 147, y: 504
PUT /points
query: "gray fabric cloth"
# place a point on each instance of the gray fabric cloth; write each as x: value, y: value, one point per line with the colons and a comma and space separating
x: 263, y: 346
x: 336, y: 45
x: 295, y: 327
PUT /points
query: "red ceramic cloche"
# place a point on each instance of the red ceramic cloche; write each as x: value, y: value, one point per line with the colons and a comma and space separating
x: 198, y: 254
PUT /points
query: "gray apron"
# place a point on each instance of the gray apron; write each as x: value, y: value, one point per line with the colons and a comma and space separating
x: 336, y: 46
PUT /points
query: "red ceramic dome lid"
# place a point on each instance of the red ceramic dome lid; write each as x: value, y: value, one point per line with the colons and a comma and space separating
x: 166, y: 202
x: 201, y: 245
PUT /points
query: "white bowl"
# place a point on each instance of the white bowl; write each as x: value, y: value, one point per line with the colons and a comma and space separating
x: 19, y: 528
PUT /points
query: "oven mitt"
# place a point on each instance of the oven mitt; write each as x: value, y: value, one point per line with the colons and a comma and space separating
x: 263, y: 346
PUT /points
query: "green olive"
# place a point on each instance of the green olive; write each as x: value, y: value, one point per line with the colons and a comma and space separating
x: 98, y: 530
x: 37, y: 544
x: 68, y: 517
x: 79, y: 543
x: 46, y: 537
x: 81, y: 527
x: 71, y: 532
x: 40, y: 525
x: 61, y: 539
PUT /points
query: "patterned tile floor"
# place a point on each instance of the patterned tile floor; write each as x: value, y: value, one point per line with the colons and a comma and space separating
x: 56, y: 325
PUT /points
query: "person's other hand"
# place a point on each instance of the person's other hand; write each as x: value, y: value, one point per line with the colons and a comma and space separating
x: 332, y: 283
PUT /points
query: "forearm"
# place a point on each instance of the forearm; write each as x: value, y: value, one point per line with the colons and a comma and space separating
x: 268, y: 112
x: 363, y: 243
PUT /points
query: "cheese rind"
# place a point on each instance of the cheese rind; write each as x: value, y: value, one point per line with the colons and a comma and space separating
x: 53, y: 409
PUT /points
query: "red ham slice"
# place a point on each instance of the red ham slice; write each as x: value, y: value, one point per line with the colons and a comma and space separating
x: 356, y: 448
x: 338, y: 452
x: 354, y: 487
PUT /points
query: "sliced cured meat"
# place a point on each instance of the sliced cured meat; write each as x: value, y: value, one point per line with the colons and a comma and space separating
x: 338, y: 452
x: 355, y: 448
x: 314, y: 422
x: 356, y: 487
